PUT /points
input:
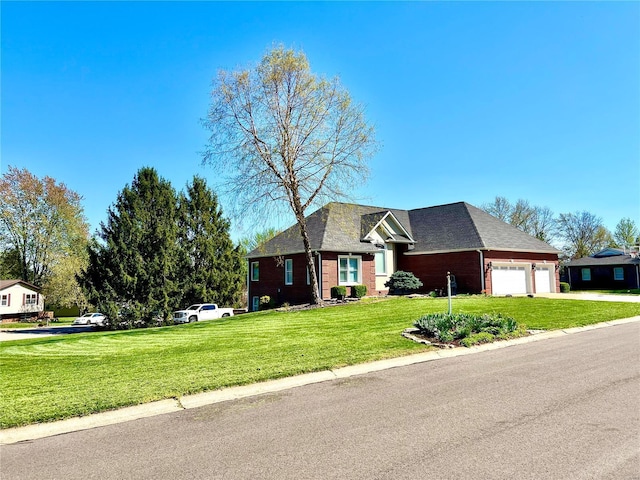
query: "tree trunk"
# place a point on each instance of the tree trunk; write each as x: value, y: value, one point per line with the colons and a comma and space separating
x: 316, y: 298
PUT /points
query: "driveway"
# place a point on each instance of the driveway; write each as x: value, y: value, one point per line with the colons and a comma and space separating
x: 599, y: 297
x: 38, y: 332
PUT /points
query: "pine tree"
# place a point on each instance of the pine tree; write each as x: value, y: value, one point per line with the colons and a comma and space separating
x: 211, y: 267
x: 131, y: 275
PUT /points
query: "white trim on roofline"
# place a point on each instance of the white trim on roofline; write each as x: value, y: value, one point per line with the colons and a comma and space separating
x: 484, y: 249
x: 398, y: 223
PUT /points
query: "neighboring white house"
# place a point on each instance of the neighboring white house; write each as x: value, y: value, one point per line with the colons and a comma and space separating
x: 19, y: 299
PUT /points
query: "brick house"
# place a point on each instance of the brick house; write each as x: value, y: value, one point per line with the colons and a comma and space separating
x: 363, y: 245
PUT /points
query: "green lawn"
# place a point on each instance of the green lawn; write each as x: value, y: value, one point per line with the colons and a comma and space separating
x: 58, y: 377
x: 20, y: 325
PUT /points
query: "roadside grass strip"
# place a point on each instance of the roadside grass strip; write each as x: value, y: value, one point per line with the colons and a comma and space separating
x: 53, y: 378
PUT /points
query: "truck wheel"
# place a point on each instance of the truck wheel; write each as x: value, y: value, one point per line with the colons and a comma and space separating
x: 193, y: 318
x: 225, y: 314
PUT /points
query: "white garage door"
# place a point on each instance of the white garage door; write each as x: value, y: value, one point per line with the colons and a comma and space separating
x: 543, y: 280
x: 508, y: 280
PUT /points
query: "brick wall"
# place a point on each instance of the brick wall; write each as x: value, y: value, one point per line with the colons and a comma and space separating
x: 330, y: 273
x: 432, y: 269
x: 271, y: 278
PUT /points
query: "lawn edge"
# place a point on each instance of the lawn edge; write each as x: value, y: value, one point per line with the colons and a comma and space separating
x: 42, y: 430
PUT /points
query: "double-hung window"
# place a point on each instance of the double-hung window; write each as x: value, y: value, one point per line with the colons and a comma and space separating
x: 4, y: 300
x: 288, y: 271
x: 349, y: 270
x: 30, y: 299
x: 618, y: 273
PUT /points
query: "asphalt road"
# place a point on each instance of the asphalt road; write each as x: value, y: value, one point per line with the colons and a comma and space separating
x: 562, y: 408
x: 37, y: 332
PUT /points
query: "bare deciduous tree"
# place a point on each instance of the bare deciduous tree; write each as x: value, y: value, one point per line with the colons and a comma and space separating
x: 283, y: 137
x: 536, y: 221
x: 584, y: 234
x: 500, y: 208
x: 543, y: 224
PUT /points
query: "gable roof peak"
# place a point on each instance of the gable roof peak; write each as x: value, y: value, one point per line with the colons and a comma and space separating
x: 10, y: 283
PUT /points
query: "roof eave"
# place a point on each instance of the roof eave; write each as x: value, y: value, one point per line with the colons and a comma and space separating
x: 483, y: 249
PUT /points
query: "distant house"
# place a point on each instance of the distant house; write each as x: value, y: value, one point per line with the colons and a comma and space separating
x: 19, y: 299
x: 610, y: 269
x: 359, y: 244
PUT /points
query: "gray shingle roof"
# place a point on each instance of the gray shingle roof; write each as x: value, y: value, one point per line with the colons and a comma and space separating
x: 601, y: 261
x: 336, y: 227
x: 339, y: 227
x: 461, y: 226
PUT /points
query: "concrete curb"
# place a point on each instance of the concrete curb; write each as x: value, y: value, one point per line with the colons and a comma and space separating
x: 41, y: 430
x: 33, y: 432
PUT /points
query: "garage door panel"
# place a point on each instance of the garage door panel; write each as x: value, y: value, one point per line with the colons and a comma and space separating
x: 509, y: 280
x: 543, y: 280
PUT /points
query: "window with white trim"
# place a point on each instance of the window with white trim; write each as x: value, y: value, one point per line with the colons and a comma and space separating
x: 255, y: 304
x: 381, y: 262
x: 349, y: 270
x: 30, y: 299
x: 255, y: 271
x: 4, y: 300
x: 288, y: 271
x: 618, y: 273
x: 586, y: 274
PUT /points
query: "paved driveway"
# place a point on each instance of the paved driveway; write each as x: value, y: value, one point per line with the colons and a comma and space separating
x: 600, y: 297
x: 22, y: 333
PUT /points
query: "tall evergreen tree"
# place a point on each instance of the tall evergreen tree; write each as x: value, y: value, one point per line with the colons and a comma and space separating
x: 132, y: 271
x: 211, y: 267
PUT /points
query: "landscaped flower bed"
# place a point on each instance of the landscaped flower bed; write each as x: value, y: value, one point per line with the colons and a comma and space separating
x: 467, y: 329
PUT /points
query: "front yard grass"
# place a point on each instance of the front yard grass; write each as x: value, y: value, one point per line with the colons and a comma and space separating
x: 57, y: 377
x: 59, y: 322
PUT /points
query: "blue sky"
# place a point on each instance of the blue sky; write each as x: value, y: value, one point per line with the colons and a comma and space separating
x: 470, y: 100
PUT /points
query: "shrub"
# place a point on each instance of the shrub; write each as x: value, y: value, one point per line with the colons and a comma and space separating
x: 446, y: 328
x: 402, y: 283
x: 266, y: 302
x: 339, y: 291
x: 476, y: 338
x: 358, y: 291
x: 565, y: 287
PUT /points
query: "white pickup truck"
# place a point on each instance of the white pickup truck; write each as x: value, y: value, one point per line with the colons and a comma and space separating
x: 201, y: 311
